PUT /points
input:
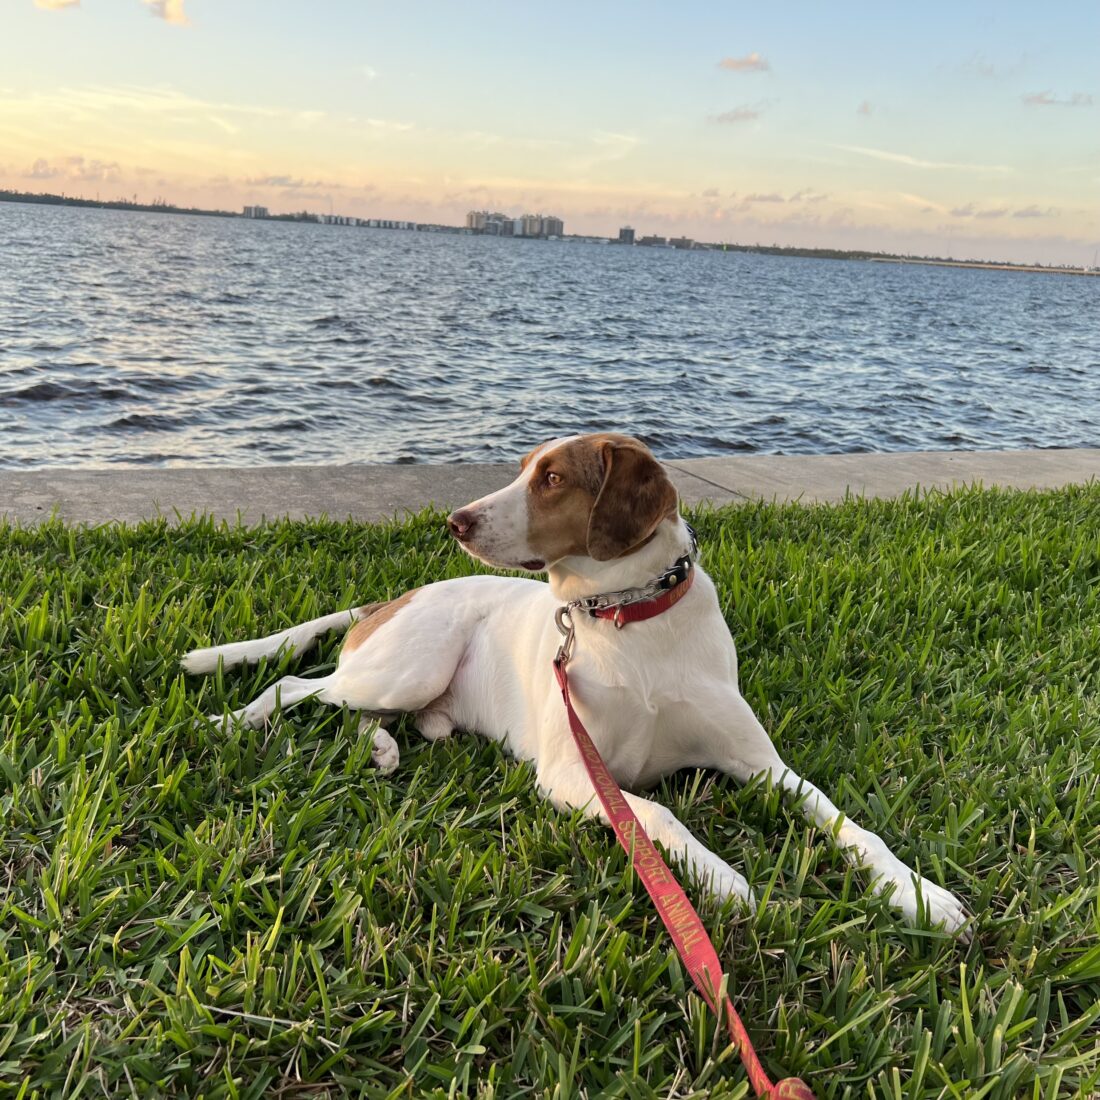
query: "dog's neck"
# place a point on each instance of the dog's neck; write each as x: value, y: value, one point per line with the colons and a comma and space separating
x: 574, y: 578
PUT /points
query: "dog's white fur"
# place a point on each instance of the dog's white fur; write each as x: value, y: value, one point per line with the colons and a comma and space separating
x: 476, y: 654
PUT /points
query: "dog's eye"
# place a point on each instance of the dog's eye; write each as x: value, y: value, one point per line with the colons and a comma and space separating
x: 552, y: 478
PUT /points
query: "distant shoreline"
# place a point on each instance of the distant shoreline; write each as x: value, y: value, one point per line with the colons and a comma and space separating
x: 989, y: 265
x: 48, y: 199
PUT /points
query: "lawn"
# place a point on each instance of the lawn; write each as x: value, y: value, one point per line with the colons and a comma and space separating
x: 186, y: 912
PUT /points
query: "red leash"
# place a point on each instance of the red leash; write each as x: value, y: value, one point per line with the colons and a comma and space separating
x: 677, y: 912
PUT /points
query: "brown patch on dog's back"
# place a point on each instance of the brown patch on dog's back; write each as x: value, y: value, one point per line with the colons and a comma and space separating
x: 373, y: 615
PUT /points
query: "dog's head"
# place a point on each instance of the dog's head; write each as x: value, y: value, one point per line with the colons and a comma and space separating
x: 601, y: 496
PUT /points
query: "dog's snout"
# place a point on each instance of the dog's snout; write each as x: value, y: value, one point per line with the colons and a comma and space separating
x: 462, y: 523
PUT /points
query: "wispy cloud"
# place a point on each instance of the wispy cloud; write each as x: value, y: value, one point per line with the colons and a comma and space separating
x: 917, y: 162
x: 927, y: 206
x: 171, y: 11
x: 1049, y: 99
x: 81, y: 104
x: 978, y: 64
x: 293, y: 183
x: 771, y: 196
x: 747, y: 112
x: 386, y: 124
x: 610, y: 147
x: 989, y: 213
x: 56, y: 5
x: 750, y: 63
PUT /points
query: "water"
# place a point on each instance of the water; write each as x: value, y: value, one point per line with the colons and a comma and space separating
x: 145, y: 339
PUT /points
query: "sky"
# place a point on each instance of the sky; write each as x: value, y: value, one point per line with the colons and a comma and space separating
x: 954, y: 129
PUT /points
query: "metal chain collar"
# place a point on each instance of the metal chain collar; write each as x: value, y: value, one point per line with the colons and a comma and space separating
x: 670, y: 578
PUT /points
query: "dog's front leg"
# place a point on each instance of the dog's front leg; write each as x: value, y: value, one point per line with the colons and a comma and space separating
x: 569, y: 787
x: 744, y: 750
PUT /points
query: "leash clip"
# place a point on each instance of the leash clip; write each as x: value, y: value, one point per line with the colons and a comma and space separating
x: 564, y: 622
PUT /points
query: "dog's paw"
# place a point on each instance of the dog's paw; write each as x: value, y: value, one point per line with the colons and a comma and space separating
x: 434, y: 725
x: 384, y: 753
x: 724, y: 882
x: 924, y: 902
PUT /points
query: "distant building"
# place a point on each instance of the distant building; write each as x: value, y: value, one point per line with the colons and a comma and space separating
x: 497, y: 225
x: 256, y: 212
x: 626, y: 235
x: 653, y: 242
x: 681, y: 242
x: 504, y: 225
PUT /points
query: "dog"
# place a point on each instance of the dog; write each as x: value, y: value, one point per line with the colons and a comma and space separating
x: 599, y: 515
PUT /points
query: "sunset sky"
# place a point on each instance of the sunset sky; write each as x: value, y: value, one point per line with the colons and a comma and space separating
x: 950, y: 129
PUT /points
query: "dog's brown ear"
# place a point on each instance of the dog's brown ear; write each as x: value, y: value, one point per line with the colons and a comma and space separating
x: 635, y: 496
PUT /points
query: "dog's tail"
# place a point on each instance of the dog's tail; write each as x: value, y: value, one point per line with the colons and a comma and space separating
x: 296, y: 639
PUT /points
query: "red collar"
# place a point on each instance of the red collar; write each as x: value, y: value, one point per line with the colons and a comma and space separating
x: 646, y: 609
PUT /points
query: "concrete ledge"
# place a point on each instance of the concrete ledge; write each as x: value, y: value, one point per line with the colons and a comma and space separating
x: 379, y: 492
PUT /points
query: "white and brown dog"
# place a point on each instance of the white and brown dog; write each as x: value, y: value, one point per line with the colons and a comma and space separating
x: 599, y: 515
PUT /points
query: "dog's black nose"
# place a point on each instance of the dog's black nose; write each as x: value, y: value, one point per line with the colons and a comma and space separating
x: 462, y: 524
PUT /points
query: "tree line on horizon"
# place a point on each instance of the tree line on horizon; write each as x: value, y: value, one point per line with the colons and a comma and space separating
x: 162, y: 207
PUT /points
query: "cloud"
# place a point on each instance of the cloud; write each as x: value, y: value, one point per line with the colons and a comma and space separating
x: 171, y: 11
x: 368, y: 72
x: 56, y: 5
x: 772, y: 196
x: 221, y: 123
x: 977, y: 64
x: 602, y: 147
x: 79, y: 104
x: 746, y: 113
x: 387, y: 124
x: 92, y: 171
x: 989, y: 213
x: 916, y: 162
x: 926, y: 206
x: 41, y: 170
x: 1048, y: 99
x: 865, y: 108
x: 74, y: 168
x: 293, y: 183
x: 807, y: 194
x: 750, y: 63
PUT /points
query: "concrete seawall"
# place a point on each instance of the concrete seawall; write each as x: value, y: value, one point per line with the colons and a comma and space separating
x: 379, y: 492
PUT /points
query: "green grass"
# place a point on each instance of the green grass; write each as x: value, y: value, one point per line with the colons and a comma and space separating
x: 258, y: 913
